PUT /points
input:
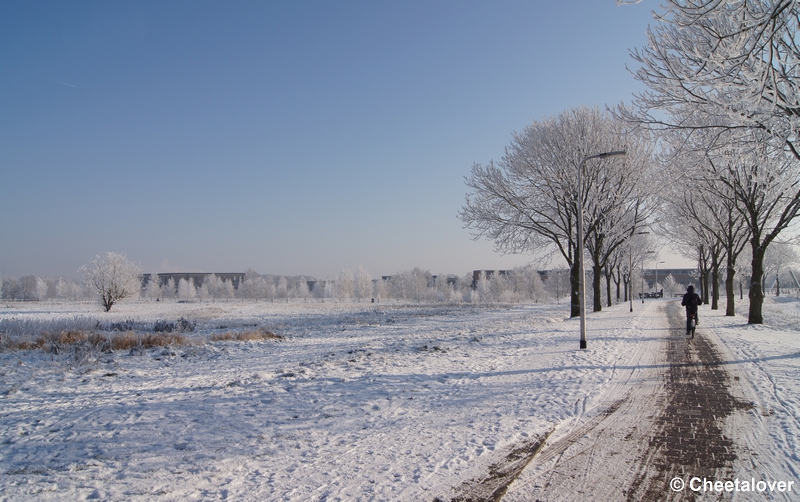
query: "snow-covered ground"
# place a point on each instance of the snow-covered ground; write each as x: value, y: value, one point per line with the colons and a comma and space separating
x: 765, y: 360
x: 357, y: 402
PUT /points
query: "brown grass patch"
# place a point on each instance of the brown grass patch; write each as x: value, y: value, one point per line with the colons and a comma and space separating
x: 130, y: 340
x: 70, y: 337
x: 243, y: 336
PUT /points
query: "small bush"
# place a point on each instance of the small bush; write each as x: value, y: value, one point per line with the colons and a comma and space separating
x: 181, y: 325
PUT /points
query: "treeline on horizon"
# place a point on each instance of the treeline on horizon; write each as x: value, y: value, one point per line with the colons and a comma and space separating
x: 519, y: 284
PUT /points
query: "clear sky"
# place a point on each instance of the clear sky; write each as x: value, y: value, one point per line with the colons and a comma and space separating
x: 292, y: 137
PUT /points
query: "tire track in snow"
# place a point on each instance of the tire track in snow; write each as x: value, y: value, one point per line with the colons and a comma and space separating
x: 569, y: 455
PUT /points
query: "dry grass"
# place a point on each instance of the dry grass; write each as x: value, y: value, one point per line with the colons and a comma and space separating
x: 129, y: 340
x: 57, y: 342
x: 243, y: 336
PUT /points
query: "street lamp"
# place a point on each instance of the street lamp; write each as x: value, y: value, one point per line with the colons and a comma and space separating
x: 662, y: 261
x: 579, y: 254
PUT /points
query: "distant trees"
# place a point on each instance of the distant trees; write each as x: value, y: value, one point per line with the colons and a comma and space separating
x: 345, y: 287
x: 363, y: 284
x: 186, y: 289
x: 153, y: 288
x: 33, y: 288
x: 522, y: 284
x: 113, y: 278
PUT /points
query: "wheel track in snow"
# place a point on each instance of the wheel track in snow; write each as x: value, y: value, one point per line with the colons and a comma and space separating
x: 575, y: 465
x: 563, y: 447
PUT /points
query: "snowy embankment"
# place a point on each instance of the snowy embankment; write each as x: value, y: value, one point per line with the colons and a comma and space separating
x: 358, y: 402
x: 765, y: 360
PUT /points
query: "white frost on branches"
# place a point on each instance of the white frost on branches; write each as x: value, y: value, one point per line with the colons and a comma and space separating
x: 113, y: 277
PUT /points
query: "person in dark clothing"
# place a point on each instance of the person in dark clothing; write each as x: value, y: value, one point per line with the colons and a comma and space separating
x: 691, y: 301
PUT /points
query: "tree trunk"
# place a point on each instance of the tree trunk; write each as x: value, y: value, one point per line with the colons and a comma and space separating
x: 715, y: 281
x: 730, y: 293
x: 756, y: 294
x: 597, y: 288
x: 608, y: 288
x: 574, y: 282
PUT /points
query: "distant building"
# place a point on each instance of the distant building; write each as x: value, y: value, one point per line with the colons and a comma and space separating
x: 682, y: 276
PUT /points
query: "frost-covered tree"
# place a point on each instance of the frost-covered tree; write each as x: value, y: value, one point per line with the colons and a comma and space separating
x: 228, y: 291
x: 153, y: 288
x: 170, y: 289
x: 323, y: 290
x: 113, y: 278
x: 11, y: 289
x: 703, y: 210
x: 345, y: 285
x: 60, y: 288
x: 362, y: 284
x: 410, y: 284
x: 557, y: 284
x: 445, y: 290
x: 528, y: 202
x: 731, y: 67
x: 301, y: 289
x: 202, y: 292
x: 671, y: 286
x: 186, y: 289
x: 254, y: 286
x: 780, y: 257
x: 764, y: 183
x: 526, y: 283
x: 733, y: 63
x: 214, y: 286
x: 282, y: 288
x: 381, y: 289
x: 41, y: 289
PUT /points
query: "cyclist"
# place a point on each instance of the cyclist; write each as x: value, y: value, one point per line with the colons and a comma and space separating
x: 691, y: 301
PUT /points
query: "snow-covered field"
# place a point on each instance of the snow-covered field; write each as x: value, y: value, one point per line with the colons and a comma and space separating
x: 357, y: 402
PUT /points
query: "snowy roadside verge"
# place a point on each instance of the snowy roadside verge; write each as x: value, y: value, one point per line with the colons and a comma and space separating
x: 764, y: 360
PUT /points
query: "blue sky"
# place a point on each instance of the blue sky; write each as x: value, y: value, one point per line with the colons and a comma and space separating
x: 292, y: 137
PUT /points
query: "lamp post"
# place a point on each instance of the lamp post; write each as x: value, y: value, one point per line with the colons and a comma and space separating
x: 662, y: 261
x: 579, y: 254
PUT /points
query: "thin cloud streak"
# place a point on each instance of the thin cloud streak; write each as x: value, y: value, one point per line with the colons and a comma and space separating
x: 60, y: 82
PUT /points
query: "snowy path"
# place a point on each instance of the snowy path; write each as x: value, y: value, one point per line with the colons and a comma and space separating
x: 690, y: 415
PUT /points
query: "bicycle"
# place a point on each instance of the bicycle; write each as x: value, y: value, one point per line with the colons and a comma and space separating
x: 691, y: 323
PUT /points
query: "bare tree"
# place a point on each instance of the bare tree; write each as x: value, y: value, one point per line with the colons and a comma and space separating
x: 113, y: 277
x: 528, y: 202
